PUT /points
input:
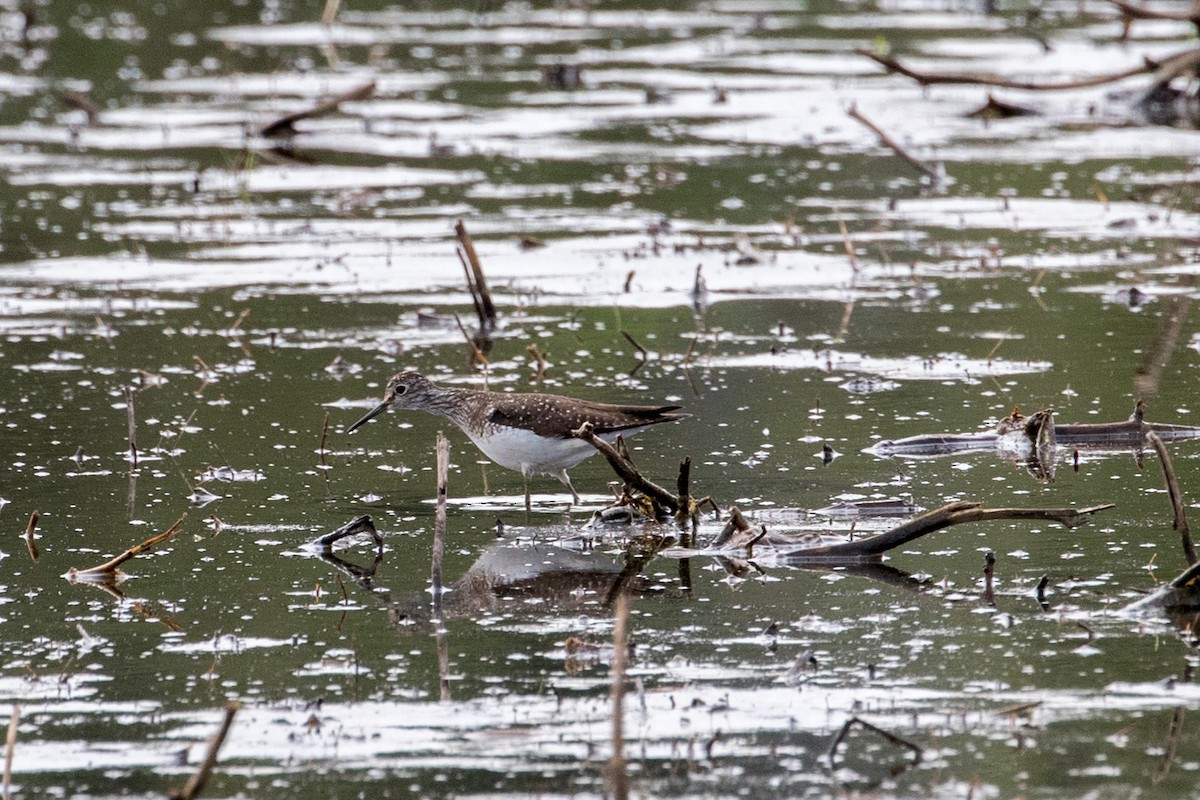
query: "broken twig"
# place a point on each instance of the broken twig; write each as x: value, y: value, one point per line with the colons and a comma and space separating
x: 933, y: 173
x: 476, y: 282
x: 1180, y: 523
x: 618, y: 773
x: 361, y: 524
x: 933, y: 78
x: 285, y: 125
x: 891, y: 738
x: 110, y: 566
x: 199, y: 780
x: 626, y: 471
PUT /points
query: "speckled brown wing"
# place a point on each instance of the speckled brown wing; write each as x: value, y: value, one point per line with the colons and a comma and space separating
x: 550, y: 415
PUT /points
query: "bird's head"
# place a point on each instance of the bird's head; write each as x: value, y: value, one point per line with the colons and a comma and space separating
x: 403, y: 391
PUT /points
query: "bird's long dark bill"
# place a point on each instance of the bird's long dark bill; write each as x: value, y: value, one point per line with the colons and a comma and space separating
x: 370, y: 415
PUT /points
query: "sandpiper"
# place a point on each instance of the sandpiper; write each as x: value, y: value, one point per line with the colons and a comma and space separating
x: 529, y: 433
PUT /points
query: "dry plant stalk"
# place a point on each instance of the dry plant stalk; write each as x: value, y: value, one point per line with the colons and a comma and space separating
x: 641, y: 351
x: 199, y: 780
x: 618, y: 774
x: 324, y: 438
x: 891, y: 738
x: 1180, y: 523
x: 110, y: 566
x: 539, y: 359
x: 9, y: 747
x: 439, y: 530
x: 131, y: 417
x: 476, y: 282
x: 476, y: 353
x: 30, y: 542
x: 330, y: 13
x: 926, y: 169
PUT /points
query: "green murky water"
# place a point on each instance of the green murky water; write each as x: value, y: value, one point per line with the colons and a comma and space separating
x: 249, y: 290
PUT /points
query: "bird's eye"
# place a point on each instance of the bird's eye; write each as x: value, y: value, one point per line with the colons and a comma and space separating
x: 400, y: 389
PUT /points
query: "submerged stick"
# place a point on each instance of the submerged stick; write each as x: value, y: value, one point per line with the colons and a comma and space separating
x: 324, y: 437
x: 131, y: 417
x: 1180, y: 523
x: 109, y: 567
x: 487, y: 319
x: 361, y: 524
x: 1131, y: 12
x: 932, y: 78
x: 891, y: 738
x: 1170, y: 747
x: 199, y: 780
x: 477, y: 354
x: 618, y: 774
x: 10, y: 747
x: 989, y: 573
x: 30, y: 542
x: 641, y: 350
x: 928, y: 170
x: 872, y: 548
x: 439, y: 529
x: 284, y: 126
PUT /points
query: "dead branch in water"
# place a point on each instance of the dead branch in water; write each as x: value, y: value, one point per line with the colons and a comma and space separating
x: 198, y: 781
x: 641, y: 350
x: 476, y: 282
x: 1180, y: 523
x: 361, y: 524
x: 1170, y: 747
x: 539, y: 359
x: 324, y: 437
x: 131, y: 417
x: 1130, y: 12
x: 30, y: 542
x: 285, y: 125
x: 110, y: 566
x: 477, y: 355
x: 330, y: 13
x: 870, y: 549
x: 626, y: 471
x: 933, y: 78
x: 888, y: 736
x: 930, y: 171
x: 989, y: 574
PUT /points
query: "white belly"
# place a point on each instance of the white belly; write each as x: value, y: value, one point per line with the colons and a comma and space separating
x: 529, y: 454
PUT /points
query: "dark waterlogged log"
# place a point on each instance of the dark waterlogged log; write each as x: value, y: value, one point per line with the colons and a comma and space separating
x: 811, y: 549
x: 1038, y: 431
x: 363, y: 524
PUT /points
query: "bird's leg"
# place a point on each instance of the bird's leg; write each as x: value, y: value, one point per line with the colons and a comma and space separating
x: 566, y: 481
x: 528, y: 503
